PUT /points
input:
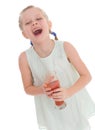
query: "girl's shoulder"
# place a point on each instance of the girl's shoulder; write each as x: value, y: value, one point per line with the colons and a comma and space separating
x: 23, y: 54
x: 68, y: 48
x: 22, y: 58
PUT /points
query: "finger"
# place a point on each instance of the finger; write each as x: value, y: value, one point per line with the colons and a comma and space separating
x: 49, y: 94
x: 48, y: 91
x: 46, y: 88
x: 57, y: 95
x: 57, y: 90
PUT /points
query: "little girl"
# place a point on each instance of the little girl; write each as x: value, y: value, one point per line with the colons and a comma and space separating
x: 38, y: 65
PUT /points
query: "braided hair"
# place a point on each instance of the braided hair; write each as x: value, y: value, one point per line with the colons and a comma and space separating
x: 54, y: 34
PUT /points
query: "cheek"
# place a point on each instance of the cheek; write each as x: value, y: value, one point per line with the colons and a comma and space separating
x: 26, y: 30
x: 26, y: 33
x: 46, y: 26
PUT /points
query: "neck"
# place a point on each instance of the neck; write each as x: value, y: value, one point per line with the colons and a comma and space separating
x: 43, y: 49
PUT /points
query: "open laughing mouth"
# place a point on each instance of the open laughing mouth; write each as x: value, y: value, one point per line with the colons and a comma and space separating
x: 37, y: 32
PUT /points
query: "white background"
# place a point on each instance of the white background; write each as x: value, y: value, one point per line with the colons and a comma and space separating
x: 73, y: 20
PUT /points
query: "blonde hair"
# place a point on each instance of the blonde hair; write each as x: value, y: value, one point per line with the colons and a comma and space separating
x: 44, y: 14
x: 28, y: 7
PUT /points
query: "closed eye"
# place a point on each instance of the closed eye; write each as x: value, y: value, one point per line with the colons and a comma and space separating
x: 28, y: 22
x: 39, y: 18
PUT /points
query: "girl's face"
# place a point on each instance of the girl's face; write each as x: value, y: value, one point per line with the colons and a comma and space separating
x: 34, y: 24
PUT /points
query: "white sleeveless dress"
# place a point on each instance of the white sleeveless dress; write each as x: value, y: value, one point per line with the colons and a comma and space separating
x: 79, y: 107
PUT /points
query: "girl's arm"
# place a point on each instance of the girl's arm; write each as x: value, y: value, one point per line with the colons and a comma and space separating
x: 77, y: 62
x: 84, y: 79
x: 27, y: 79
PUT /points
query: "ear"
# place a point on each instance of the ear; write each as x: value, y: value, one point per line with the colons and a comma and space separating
x: 50, y: 25
x: 24, y: 34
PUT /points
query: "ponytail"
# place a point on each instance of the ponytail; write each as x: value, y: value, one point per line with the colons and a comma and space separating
x: 54, y: 34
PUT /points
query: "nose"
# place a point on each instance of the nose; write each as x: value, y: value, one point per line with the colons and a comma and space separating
x: 34, y: 23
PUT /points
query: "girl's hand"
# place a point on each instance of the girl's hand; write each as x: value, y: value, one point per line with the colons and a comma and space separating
x: 60, y: 94
x: 47, y: 90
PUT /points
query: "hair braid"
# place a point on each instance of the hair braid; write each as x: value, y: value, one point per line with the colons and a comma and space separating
x: 54, y: 34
